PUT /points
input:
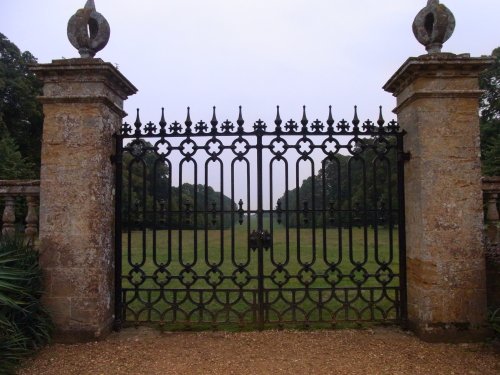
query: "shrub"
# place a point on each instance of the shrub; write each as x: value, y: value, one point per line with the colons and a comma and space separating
x: 24, y: 323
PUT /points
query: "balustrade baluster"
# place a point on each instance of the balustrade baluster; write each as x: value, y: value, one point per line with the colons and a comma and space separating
x: 491, y: 191
x: 23, y: 189
x: 9, y: 216
x: 491, y: 207
x: 31, y: 218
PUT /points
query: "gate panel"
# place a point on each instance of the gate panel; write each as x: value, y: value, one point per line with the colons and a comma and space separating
x: 301, y: 223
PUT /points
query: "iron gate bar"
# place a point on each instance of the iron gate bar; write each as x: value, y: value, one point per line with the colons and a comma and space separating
x: 132, y: 287
x: 258, y: 127
x: 402, y: 157
x: 117, y: 160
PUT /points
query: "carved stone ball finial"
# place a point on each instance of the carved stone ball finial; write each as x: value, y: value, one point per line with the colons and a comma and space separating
x: 88, y: 30
x: 433, y: 26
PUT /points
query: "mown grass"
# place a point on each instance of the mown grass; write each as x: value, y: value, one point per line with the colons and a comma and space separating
x: 202, y: 279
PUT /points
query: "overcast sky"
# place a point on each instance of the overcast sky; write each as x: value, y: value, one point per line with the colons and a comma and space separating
x: 257, y: 53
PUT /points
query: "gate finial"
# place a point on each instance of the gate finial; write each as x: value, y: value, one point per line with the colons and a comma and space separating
x: 433, y: 26
x: 88, y: 31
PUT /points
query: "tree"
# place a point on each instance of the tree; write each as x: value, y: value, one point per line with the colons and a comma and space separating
x: 347, y: 186
x: 21, y: 115
x: 144, y: 171
x: 149, y: 199
x: 490, y: 118
x: 13, y: 165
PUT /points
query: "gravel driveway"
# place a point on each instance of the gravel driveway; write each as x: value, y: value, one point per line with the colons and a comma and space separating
x: 368, y: 352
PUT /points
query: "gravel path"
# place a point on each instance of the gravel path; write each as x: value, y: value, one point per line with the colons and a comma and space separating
x: 378, y: 351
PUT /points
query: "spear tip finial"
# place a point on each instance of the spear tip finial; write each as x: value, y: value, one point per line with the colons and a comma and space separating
x: 90, y: 4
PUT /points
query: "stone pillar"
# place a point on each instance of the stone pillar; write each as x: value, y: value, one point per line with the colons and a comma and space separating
x: 83, y: 107
x: 437, y: 105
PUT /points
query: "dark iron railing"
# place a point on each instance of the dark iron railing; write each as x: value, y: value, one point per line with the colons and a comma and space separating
x: 311, y: 230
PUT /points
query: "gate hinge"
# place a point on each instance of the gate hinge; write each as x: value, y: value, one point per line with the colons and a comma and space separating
x: 404, y: 156
x: 115, y: 159
x: 258, y: 239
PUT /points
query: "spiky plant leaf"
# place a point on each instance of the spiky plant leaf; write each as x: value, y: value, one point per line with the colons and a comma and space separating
x: 24, y: 323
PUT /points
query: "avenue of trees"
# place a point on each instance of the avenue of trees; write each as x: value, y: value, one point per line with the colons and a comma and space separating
x: 348, y: 189
x: 146, y: 188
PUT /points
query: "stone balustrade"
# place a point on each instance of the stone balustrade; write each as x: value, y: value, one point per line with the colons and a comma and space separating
x: 28, y: 190
x: 491, y: 194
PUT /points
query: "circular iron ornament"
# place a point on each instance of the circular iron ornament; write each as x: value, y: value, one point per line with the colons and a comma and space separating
x: 137, y: 148
x: 185, y: 145
x: 384, y: 275
x: 240, y: 144
x: 214, y: 143
x: 306, y: 275
x: 433, y: 26
x: 359, y: 275
x: 305, y: 142
x: 163, y: 148
x: 88, y: 31
x: 330, y: 146
x: 136, y: 276
x: 333, y: 276
x: 280, y: 276
x: 241, y: 277
x: 356, y: 146
x: 161, y: 276
x: 381, y: 146
x: 214, y: 277
x: 188, y: 277
x: 278, y: 146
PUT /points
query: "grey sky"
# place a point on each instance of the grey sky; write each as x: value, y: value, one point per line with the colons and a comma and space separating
x: 257, y: 53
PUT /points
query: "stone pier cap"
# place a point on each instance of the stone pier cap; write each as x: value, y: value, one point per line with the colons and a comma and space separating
x: 80, y: 72
x: 433, y: 65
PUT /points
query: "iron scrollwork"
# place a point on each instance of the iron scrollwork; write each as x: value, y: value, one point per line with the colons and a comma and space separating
x: 332, y: 253
x: 260, y: 239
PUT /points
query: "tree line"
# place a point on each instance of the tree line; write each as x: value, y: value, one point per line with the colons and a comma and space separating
x: 490, y: 118
x: 21, y: 116
x: 149, y: 199
x: 348, y: 189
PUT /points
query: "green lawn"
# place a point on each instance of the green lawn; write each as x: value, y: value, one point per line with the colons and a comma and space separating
x: 196, y: 278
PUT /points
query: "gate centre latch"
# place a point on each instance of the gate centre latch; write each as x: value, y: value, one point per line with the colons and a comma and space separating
x: 260, y: 238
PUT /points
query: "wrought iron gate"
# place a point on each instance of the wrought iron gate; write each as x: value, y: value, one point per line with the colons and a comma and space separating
x: 294, y: 223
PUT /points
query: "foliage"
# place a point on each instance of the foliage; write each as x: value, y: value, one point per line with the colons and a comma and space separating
x: 348, y: 182
x: 12, y: 164
x: 490, y: 118
x: 24, y: 323
x: 147, y: 188
x: 21, y: 115
x: 490, y: 81
x: 143, y: 174
x: 490, y: 146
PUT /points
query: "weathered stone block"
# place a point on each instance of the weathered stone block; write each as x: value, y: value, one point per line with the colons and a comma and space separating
x: 82, y: 102
x: 437, y: 105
